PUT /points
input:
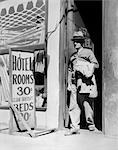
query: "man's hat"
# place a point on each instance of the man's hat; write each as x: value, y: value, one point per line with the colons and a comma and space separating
x: 77, y: 36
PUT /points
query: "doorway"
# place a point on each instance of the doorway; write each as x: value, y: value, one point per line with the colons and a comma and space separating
x: 91, y: 14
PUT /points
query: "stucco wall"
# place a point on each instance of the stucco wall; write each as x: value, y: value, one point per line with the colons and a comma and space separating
x: 52, y: 112
x: 74, y: 22
x: 110, y: 68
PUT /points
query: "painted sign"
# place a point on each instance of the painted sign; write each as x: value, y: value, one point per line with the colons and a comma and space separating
x: 23, y: 96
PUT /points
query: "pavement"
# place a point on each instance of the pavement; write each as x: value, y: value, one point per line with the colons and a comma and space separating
x: 86, y: 140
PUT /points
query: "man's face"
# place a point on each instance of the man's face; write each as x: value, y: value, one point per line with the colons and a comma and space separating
x: 77, y: 45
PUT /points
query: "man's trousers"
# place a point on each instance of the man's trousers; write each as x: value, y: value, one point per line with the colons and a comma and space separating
x: 80, y: 102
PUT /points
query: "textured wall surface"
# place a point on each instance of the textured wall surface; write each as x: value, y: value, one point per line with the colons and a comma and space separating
x: 110, y: 68
x: 53, y: 68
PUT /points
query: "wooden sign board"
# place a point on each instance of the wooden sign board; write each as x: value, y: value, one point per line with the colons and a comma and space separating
x: 22, y: 88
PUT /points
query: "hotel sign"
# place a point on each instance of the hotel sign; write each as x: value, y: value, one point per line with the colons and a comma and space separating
x: 23, y: 87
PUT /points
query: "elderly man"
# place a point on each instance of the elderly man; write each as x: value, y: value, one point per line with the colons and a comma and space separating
x: 81, y: 82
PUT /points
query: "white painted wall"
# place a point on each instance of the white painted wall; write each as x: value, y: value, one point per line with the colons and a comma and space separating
x: 110, y: 68
x: 41, y: 119
x: 53, y: 68
x: 4, y: 117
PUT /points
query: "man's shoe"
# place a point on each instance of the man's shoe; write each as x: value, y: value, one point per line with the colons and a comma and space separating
x: 92, y: 127
x: 72, y: 131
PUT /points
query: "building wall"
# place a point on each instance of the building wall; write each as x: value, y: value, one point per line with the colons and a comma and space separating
x: 53, y: 68
x: 110, y: 67
x: 74, y: 21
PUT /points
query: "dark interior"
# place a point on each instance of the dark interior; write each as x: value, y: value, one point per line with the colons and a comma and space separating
x: 91, y: 13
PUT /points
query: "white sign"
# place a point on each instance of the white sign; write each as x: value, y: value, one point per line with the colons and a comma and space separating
x: 23, y: 87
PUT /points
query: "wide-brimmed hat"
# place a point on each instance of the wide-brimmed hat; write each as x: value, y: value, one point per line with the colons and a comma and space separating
x: 77, y: 36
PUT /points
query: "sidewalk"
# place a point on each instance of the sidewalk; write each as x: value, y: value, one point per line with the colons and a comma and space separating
x: 86, y: 140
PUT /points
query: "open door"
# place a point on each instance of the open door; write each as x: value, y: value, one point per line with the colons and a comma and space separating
x: 88, y: 14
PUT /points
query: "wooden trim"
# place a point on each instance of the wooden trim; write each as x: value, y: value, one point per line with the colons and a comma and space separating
x: 41, y: 109
x: 10, y: 86
x: 5, y: 107
x: 103, y: 51
x: 4, y: 51
x: 30, y: 48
